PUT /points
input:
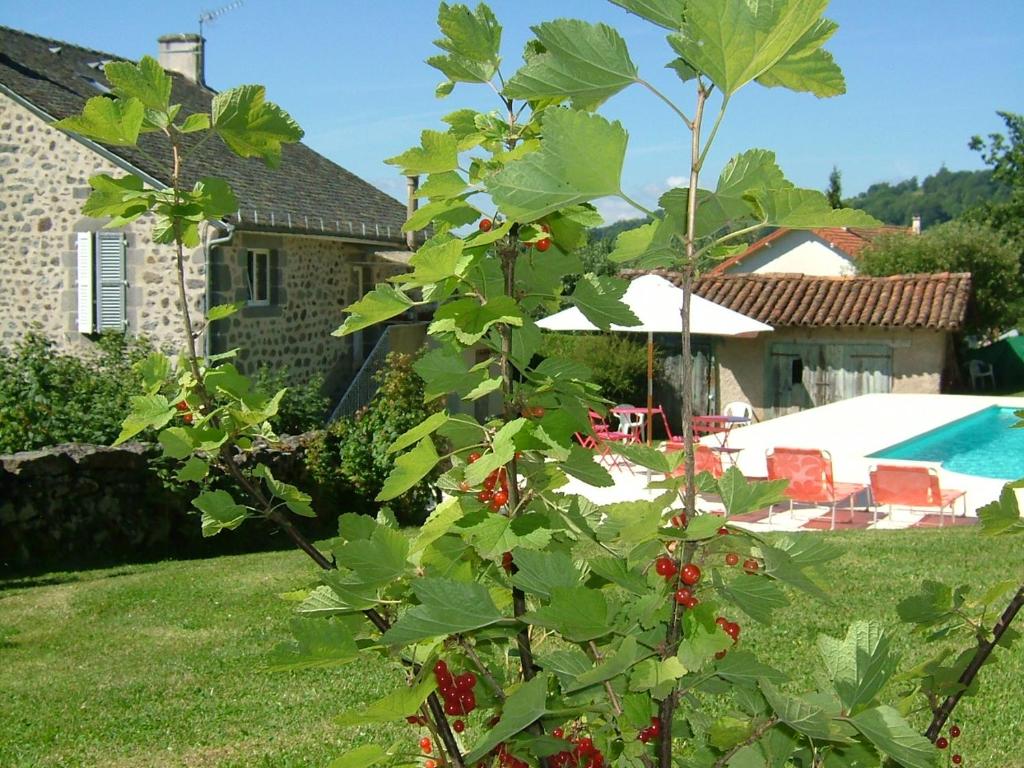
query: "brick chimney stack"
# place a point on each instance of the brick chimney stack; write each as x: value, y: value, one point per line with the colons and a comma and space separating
x: 183, y: 53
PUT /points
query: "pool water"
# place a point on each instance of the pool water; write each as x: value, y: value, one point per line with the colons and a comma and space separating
x: 984, y: 444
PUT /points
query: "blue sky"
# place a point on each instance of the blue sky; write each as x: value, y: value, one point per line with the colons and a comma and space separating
x: 922, y: 77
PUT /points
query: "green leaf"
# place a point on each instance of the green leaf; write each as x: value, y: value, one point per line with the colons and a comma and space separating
x: 743, y: 667
x: 892, y: 735
x: 615, y: 570
x: 805, y: 209
x: 319, y: 644
x: 350, y: 592
x: 146, y: 81
x: 600, y: 300
x: 199, y: 121
x: 221, y: 311
x: 437, y: 524
x: 1003, y: 515
x: 297, y: 501
x: 632, y: 522
x: 193, y: 470
x: 472, y: 42
x: 582, y: 465
x: 807, y: 67
x: 362, y: 757
x: 215, y: 196
x: 447, y: 607
x: 540, y: 572
x: 587, y: 63
x: 219, y: 511
x: 409, y: 469
x: 501, y: 453
x: 148, y: 412
x: 860, y: 665
x: 445, y: 370
x: 154, y: 370
x: 633, y: 243
x: 322, y: 601
x: 734, y: 41
x: 702, y: 638
x: 111, y: 121
x: 493, y: 534
x: 657, y: 676
x: 577, y: 613
x: 176, y: 442
x: 395, y: 706
x: 799, y: 714
x: 628, y: 654
x: 727, y: 731
x: 123, y: 198
x: 428, y: 426
x: 932, y: 604
x: 438, y: 153
x: 664, y: 13
x: 382, y: 303
x: 437, y: 259
x: 757, y: 596
x: 579, y: 160
x: 525, y: 705
x: 443, y: 215
x: 741, y: 496
x: 470, y: 320
x: 251, y: 126
x: 442, y: 186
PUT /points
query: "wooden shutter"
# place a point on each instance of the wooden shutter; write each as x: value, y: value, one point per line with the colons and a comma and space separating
x: 86, y: 283
x: 110, y: 281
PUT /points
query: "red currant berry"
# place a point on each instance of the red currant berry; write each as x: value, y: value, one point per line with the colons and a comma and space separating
x: 187, y: 418
x: 500, y: 498
x: 181, y: 405
x: 440, y: 667
x: 665, y: 567
x: 430, y: 764
x: 558, y: 733
x: 957, y: 759
x: 693, y: 602
x: 750, y: 565
x: 543, y: 245
x: 679, y: 521
x: 485, y: 225
x: 425, y: 745
x: 485, y: 496
x: 452, y: 708
x: 545, y: 228
x: 723, y: 531
x: 465, y: 681
x: 458, y: 726
x: 942, y: 742
x: 721, y: 621
x: 720, y: 655
x: 490, y: 481
x: 506, y: 562
x: 655, y: 727
x: 586, y: 744
x: 954, y: 732
x: 473, y: 457
x: 732, y: 558
x: 412, y: 719
x: 690, y: 574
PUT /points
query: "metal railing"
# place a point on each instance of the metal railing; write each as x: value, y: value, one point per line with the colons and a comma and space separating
x: 364, y: 386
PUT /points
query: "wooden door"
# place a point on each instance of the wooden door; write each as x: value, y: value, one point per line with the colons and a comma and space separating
x: 807, y: 374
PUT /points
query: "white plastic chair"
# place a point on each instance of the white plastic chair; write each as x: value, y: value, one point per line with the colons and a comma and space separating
x: 631, y: 423
x: 980, y: 370
x: 739, y: 409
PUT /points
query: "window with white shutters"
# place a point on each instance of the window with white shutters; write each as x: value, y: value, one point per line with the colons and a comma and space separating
x: 110, y: 281
x: 86, y: 282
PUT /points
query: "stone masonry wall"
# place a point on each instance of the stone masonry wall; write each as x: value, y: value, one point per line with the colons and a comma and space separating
x: 43, y: 184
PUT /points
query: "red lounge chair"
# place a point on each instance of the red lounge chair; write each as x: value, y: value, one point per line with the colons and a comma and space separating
x: 905, y: 485
x: 809, y: 472
x: 600, y: 439
x: 705, y: 459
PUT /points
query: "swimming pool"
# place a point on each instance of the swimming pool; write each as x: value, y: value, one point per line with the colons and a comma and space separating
x: 984, y: 444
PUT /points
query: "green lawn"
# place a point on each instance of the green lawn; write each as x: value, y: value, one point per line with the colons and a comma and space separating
x: 160, y: 665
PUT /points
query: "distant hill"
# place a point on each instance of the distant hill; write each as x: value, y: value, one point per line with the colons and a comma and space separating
x: 940, y: 197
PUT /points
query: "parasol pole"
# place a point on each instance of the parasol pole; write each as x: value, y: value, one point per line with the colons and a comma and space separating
x: 650, y: 386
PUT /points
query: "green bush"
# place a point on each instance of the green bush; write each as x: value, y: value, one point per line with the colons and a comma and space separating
x: 48, y: 397
x: 304, y: 406
x: 350, y: 460
x: 618, y: 361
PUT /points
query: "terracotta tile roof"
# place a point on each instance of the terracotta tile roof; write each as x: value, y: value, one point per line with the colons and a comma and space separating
x: 937, y: 301
x: 848, y: 240
x: 307, y: 192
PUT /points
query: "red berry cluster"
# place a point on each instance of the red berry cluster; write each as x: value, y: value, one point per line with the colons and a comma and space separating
x: 183, y: 409
x: 456, y: 690
x: 731, y: 628
x: 679, y: 521
x: 651, y: 732
x: 506, y: 562
x: 689, y: 574
x: 582, y: 754
x: 943, y: 743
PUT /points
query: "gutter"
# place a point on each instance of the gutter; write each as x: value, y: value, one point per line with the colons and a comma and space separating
x: 208, y: 246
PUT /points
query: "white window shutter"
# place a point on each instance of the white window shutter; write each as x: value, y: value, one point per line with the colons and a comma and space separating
x: 110, y: 281
x: 86, y: 283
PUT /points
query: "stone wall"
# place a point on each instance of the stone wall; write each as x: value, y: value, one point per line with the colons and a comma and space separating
x: 43, y: 184
x: 78, y: 502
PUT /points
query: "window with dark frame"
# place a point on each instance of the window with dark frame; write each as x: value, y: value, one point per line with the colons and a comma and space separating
x: 258, y: 277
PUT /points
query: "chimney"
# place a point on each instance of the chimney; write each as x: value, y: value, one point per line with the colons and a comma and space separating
x: 915, y: 225
x: 183, y: 53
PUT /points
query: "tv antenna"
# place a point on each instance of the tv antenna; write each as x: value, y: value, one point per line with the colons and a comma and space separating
x: 208, y: 16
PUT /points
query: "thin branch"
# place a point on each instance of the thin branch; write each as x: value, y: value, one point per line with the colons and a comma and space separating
x: 714, y: 132
x: 614, y: 699
x: 485, y: 673
x: 636, y: 205
x: 671, y: 104
x: 754, y: 736
x: 985, y: 648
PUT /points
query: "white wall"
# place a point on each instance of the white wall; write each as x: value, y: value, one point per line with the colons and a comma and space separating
x: 798, y: 252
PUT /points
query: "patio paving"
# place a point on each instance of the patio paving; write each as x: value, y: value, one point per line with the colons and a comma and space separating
x: 850, y: 430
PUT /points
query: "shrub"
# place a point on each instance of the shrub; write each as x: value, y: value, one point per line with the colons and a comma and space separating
x: 350, y: 460
x: 304, y: 406
x: 49, y: 397
x: 618, y: 361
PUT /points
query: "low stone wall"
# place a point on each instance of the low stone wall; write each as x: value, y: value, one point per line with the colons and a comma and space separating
x: 78, y: 503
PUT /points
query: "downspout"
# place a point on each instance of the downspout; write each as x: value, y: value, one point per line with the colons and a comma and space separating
x: 208, y: 247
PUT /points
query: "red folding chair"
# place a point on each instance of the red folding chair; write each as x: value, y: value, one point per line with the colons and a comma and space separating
x: 809, y: 472
x: 915, y: 487
x: 604, y: 438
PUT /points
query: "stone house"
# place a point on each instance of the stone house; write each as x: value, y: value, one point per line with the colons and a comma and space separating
x: 308, y: 239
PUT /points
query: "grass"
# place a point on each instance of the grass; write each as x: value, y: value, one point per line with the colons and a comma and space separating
x: 161, y: 664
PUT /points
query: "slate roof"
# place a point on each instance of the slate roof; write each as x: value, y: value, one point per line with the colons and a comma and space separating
x: 319, y: 195
x: 936, y: 301
x: 848, y: 240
